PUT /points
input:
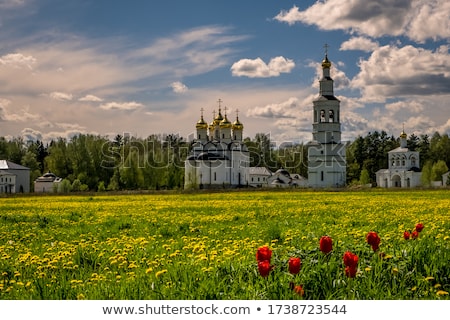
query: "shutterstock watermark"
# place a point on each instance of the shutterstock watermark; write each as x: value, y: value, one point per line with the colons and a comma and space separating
x: 169, y: 151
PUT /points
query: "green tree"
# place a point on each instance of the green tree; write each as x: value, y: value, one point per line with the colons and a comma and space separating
x: 426, y: 173
x: 438, y: 169
x: 365, y: 177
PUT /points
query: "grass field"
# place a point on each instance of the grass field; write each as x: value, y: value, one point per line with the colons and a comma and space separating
x: 203, y: 245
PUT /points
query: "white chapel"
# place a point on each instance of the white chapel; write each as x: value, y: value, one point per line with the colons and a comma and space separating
x: 326, y: 153
x: 218, y: 158
x: 403, y: 167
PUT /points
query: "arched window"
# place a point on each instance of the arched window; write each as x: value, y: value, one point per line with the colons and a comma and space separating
x: 331, y: 116
x: 322, y: 116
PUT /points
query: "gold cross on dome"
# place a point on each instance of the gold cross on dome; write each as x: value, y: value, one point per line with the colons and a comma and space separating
x: 326, y: 46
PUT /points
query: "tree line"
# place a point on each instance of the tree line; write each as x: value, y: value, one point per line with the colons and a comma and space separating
x: 96, y: 163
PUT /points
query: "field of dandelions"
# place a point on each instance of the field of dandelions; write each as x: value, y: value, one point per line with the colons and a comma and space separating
x: 207, y: 245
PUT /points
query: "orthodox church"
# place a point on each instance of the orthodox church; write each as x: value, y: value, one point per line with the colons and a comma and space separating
x: 326, y: 153
x: 403, y: 167
x: 218, y: 158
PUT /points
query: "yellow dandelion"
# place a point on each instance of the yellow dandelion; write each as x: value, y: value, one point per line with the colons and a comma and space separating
x: 437, y: 285
x: 429, y: 278
x: 80, y: 296
x: 395, y: 270
x: 367, y: 269
x: 442, y: 293
x: 160, y: 273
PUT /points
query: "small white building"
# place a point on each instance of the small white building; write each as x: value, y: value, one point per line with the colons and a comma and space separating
x: 14, y: 178
x: 258, y: 176
x: 403, y: 168
x: 7, y: 182
x: 283, y: 179
x: 46, y: 183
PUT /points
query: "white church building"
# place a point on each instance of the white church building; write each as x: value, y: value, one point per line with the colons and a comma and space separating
x: 326, y: 153
x: 403, y: 167
x: 218, y: 158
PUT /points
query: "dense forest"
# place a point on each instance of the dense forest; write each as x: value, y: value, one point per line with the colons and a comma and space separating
x: 95, y: 163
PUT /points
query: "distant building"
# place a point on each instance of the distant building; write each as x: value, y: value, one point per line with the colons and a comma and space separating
x: 46, y: 183
x: 258, y: 176
x: 283, y: 179
x: 403, y: 168
x: 14, y: 178
x: 218, y: 158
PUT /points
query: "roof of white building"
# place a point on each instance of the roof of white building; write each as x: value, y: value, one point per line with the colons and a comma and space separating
x: 5, y: 165
x: 259, y: 171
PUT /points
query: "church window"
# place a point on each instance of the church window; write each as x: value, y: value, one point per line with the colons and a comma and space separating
x: 321, y: 175
x: 199, y: 136
x: 223, y: 135
x: 413, y: 161
x: 322, y: 115
x: 215, y: 176
x: 331, y: 116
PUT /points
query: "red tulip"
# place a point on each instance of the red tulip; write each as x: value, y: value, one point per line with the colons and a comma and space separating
x: 414, y: 234
x: 373, y: 239
x: 350, y: 271
x: 326, y: 244
x: 263, y: 254
x: 294, y: 265
x: 350, y: 259
x: 406, y: 235
x: 419, y: 227
x: 264, y: 268
x: 299, y: 290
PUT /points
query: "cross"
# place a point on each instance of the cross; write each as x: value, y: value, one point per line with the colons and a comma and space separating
x: 201, y: 110
x: 225, y: 108
x: 237, y: 113
x: 219, y: 101
x: 326, y: 46
x: 214, y: 114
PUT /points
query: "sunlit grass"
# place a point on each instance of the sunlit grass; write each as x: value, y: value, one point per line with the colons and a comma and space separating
x: 202, y: 246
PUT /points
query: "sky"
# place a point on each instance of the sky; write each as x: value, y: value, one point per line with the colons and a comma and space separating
x: 149, y: 67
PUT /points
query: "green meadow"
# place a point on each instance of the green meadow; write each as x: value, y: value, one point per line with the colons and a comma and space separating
x: 203, y: 245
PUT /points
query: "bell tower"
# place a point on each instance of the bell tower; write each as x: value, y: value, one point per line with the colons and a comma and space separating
x: 326, y: 153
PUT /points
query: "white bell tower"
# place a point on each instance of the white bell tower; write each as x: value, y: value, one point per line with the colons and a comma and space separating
x: 326, y: 153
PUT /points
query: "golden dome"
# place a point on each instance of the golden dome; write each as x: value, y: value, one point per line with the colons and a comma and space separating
x: 326, y: 63
x: 403, y: 135
x: 225, y: 123
x: 201, y: 124
x: 237, y: 125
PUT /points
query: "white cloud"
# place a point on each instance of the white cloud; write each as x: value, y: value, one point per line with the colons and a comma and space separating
x: 257, y: 68
x: 411, y: 106
x: 179, y: 87
x: 285, y: 109
x: 359, y: 43
x: 121, y: 105
x: 17, y: 60
x: 407, y: 71
x: 417, y: 19
x: 61, y: 96
x: 90, y: 98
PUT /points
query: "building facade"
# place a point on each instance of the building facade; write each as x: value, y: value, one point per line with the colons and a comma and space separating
x: 14, y: 178
x: 47, y: 183
x: 218, y: 156
x: 326, y: 153
x: 403, y: 167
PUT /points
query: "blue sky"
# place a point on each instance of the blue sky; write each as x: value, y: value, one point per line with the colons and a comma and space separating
x: 146, y: 67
